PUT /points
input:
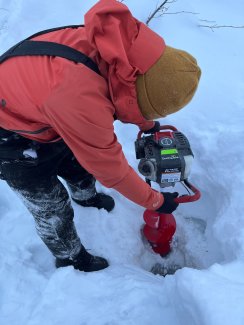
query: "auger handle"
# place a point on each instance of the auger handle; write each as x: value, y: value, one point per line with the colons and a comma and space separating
x: 168, y: 127
x: 162, y: 127
x: 189, y: 198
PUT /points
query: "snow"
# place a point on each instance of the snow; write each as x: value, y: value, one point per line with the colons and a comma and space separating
x: 209, y: 242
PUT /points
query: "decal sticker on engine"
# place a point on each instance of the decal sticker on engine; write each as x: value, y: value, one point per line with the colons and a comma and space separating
x: 169, y: 151
x: 170, y: 177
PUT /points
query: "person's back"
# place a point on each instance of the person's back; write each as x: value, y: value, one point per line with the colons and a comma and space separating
x: 27, y: 81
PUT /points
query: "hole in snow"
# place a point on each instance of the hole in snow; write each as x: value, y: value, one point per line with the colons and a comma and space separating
x: 194, y: 244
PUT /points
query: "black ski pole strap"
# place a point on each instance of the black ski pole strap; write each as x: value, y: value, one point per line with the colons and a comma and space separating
x: 28, y: 47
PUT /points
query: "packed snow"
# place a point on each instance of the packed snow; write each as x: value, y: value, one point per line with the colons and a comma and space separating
x: 208, y: 288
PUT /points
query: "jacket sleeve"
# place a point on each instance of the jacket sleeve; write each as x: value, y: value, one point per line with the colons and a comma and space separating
x: 82, y: 114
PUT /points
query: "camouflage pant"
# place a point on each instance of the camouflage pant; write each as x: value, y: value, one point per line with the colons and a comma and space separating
x: 36, y: 182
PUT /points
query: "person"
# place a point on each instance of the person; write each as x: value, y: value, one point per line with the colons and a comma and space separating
x: 56, y: 119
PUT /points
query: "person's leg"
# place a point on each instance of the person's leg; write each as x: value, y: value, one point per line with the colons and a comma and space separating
x: 82, y: 185
x: 48, y: 201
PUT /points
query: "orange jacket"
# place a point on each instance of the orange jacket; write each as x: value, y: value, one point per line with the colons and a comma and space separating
x: 45, y: 98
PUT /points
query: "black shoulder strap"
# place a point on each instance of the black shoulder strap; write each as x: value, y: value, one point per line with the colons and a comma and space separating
x: 33, y: 48
x: 29, y: 47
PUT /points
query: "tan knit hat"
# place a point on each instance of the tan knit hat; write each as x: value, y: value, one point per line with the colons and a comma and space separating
x: 168, y: 85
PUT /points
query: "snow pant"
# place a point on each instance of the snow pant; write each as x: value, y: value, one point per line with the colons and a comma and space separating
x: 35, y: 180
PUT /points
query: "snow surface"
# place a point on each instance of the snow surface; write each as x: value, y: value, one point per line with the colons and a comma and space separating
x: 209, y: 242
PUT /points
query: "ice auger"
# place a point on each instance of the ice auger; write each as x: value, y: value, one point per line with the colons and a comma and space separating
x: 165, y: 158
